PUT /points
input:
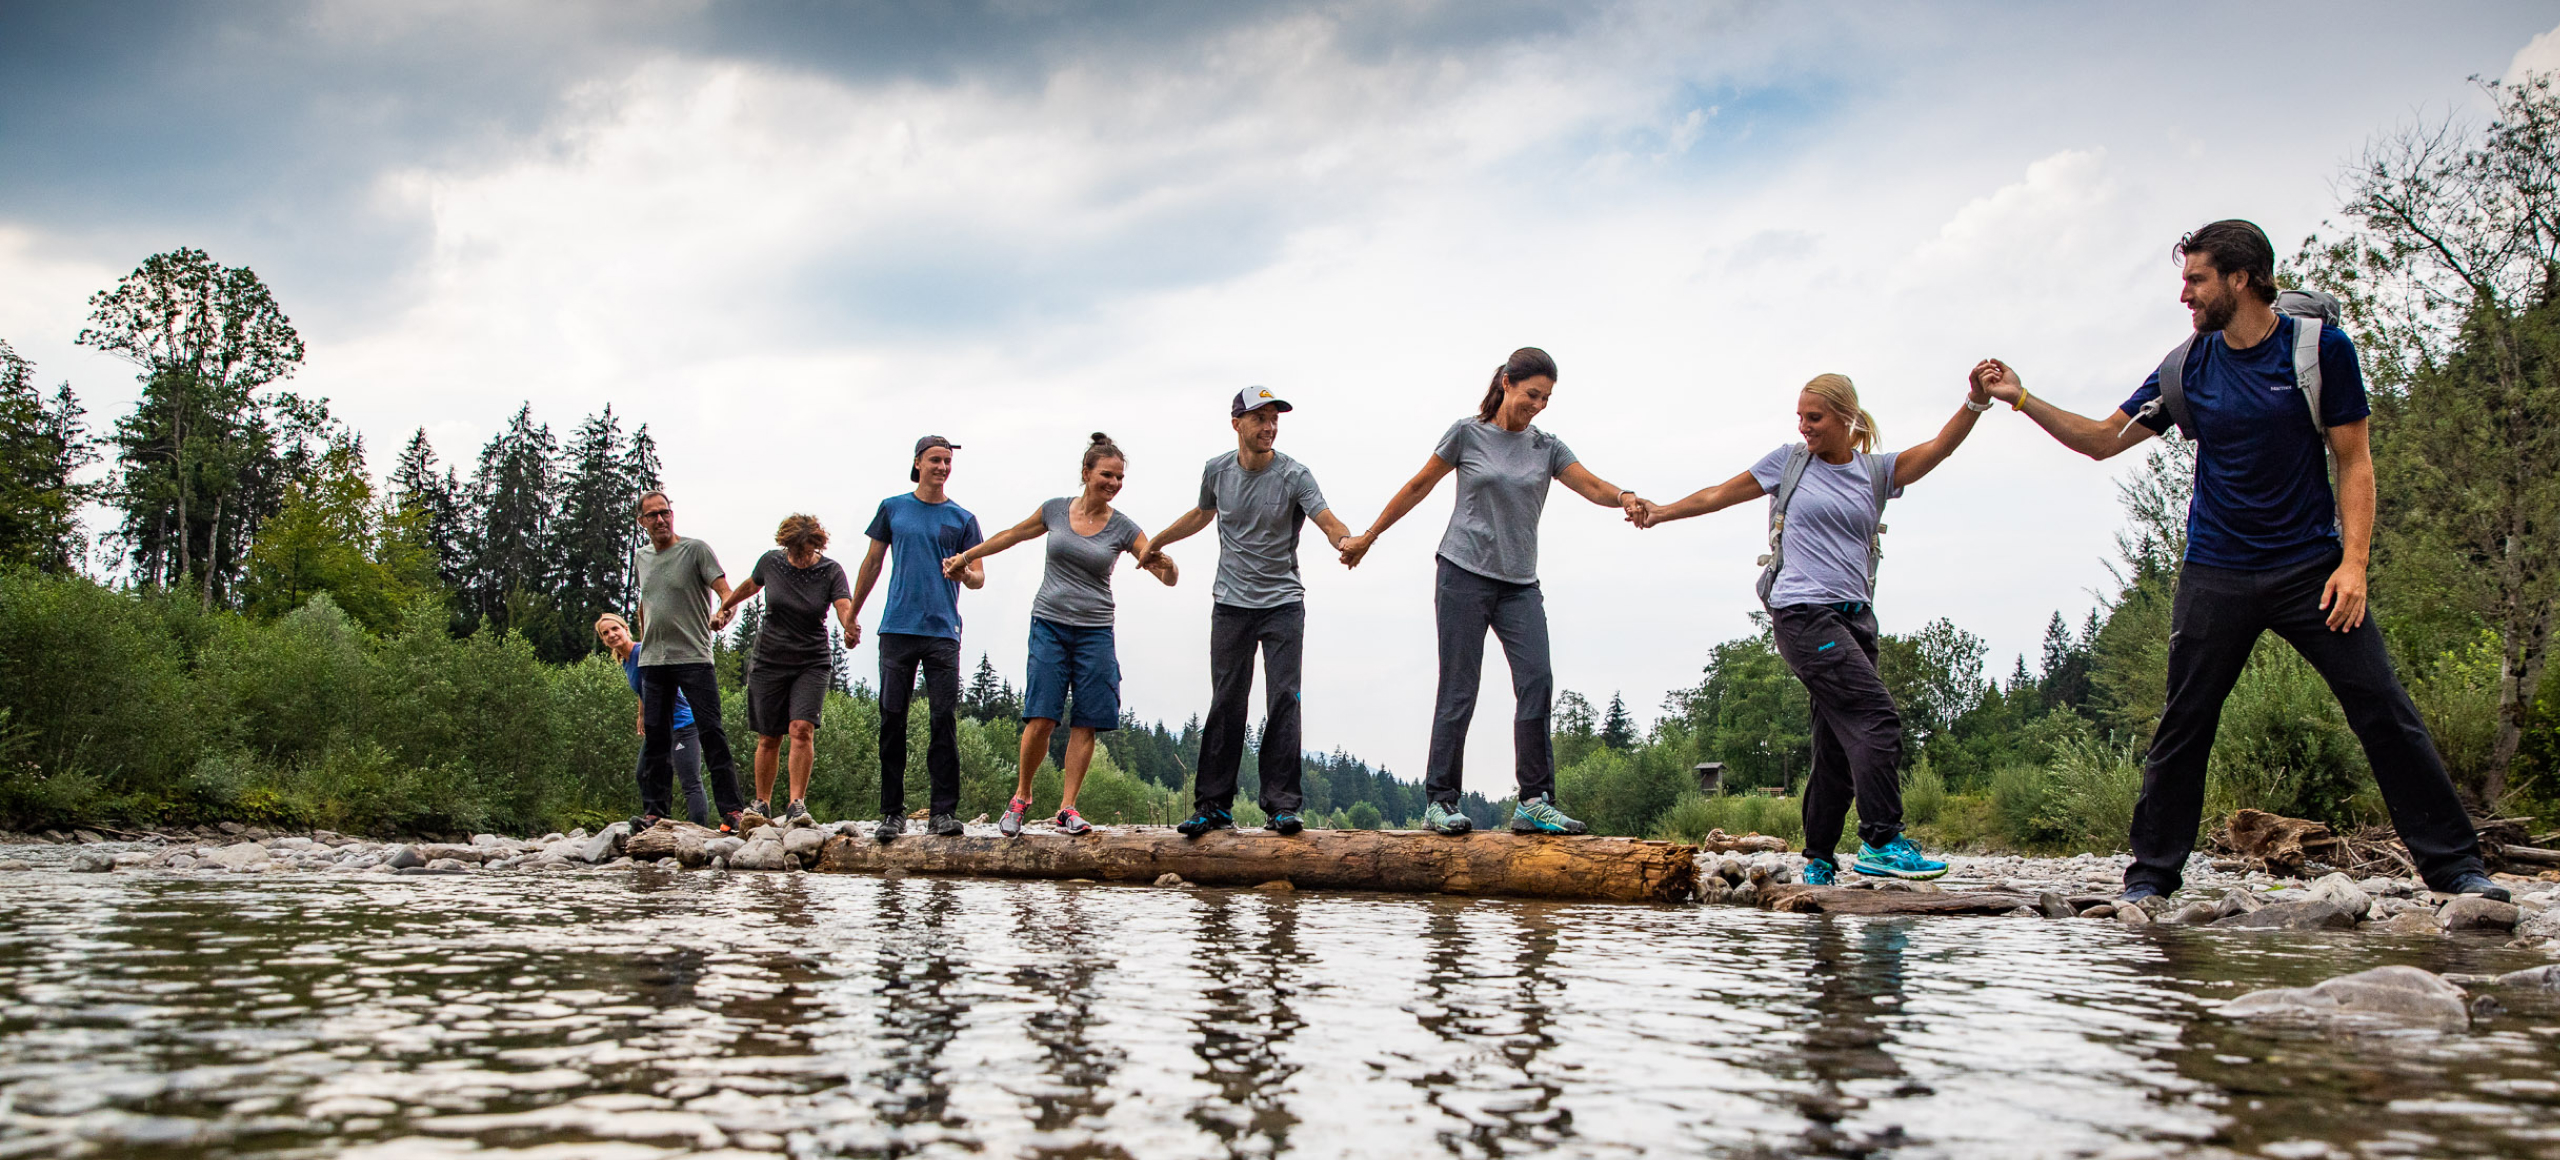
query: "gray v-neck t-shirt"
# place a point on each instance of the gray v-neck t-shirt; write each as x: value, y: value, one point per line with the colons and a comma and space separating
x: 1502, y: 490
x: 1076, y: 589
x: 1830, y: 521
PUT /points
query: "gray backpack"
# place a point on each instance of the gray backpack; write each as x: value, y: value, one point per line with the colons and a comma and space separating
x: 2314, y: 307
x: 1798, y: 458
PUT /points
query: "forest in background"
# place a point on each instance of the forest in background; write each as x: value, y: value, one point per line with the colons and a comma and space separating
x: 286, y: 643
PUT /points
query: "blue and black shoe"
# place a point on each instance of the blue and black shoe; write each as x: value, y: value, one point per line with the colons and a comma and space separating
x: 1287, y: 822
x: 1205, y: 821
x: 1900, y: 858
x: 1539, y: 815
x: 2134, y: 894
x: 1820, y: 872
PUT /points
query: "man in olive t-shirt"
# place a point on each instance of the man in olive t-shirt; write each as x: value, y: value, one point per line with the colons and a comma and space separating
x: 679, y: 581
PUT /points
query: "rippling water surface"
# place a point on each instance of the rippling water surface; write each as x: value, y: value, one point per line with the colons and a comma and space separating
x: 650, y: 1012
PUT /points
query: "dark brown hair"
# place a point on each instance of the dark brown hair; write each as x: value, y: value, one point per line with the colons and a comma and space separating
x: 1100, y: 449
x: 1526, y: 363
x: 642, y: 504
x: 2234, y: 247
x: 800, y: 532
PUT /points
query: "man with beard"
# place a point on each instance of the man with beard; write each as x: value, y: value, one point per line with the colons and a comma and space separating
x: 2270, y: 547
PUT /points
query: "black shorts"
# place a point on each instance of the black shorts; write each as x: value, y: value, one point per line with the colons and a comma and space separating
x: 778, y: 695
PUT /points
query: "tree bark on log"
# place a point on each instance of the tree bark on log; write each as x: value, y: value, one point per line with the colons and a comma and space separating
x: 1404, y: 861
x: 1801, y: 899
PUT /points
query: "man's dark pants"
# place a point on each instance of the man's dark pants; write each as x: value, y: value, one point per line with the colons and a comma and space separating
x: 658, y: 687
x: 1857, y: 733
x: 1466, y: 605
x: 901, y: 653
x: 2213, y: 626
x: 1234, y: 633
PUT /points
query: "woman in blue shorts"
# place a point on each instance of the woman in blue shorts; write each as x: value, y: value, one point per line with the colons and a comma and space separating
x: 1071, y: 642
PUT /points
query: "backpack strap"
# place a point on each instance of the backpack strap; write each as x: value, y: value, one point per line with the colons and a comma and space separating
x: 1880, y: 479
x: 2306, y: 380
x: 1792, y: 473
x: 2173, y: 390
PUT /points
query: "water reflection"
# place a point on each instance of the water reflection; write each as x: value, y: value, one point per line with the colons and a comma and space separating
x: 638, y: 1013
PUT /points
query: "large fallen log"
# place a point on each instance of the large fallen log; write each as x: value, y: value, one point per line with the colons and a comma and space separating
x: 1404, y: 861
x: 1802, y: 899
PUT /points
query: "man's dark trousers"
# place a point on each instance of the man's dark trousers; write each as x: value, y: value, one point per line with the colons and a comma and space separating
x: 1234, y: 633
x: 658, y: 687
x: 2213, y: 626
x: 1857, y: 733
x: 901, y: 653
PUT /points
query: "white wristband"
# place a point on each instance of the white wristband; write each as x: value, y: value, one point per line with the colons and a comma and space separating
x: 1977, y: 408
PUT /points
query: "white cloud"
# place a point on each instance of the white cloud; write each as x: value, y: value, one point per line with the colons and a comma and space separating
x: 2541, y: 54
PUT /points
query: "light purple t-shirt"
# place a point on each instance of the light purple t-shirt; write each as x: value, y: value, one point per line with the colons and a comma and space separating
x: 1830, y: 521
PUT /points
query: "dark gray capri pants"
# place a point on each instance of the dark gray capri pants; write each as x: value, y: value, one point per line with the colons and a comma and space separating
x: 1857, y: 733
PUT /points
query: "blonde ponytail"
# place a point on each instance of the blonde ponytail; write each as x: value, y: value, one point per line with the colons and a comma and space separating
x: 1842, y: 394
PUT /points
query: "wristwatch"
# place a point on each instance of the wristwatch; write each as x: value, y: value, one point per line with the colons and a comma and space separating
x: 1977, y: 408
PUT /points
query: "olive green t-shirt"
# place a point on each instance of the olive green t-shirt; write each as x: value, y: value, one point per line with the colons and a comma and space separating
x: 675, y: 603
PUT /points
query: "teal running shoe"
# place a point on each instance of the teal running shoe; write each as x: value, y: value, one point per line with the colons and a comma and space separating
x: 1287, y: 822
x: 1900, y: 858
x: 1819, y: 873
x: 1440, y: 819
x: 1539, y: 815
x: 1205, y: 821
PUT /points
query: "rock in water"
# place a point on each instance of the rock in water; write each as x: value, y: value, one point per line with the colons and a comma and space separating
x: 2312, y: 914
x: 2338, y: 888
x: 2134, y: 916
x: 723, y: 847
x: 2407, y: 922
x: 239, y: 856
x: 2541, y: 924
x: 801, y: 843
x: 683, y: 841
x: 762, y: 852
x: 2547, y: 978
x: 2473, y: 912
x: 2055, y: 906
x: 605, y: 844
x: 89, y: 862
x: 2403, y: 995
x: 404, y: 857
x: 2236, y: 901
x: 2194, y: 914
x: 12, y: 864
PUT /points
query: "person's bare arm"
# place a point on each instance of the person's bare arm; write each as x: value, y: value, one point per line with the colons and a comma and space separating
x: 2095, y: 438
x: 1183, y: 527
x: 1579, y: 479
x: 1742, y: 488
x: 844, y: 618
x: 958, y: 567
x: 1332, y: 527
x: 1414, y: 491
x: 867, y: 574
x: 1153, y: 561
x: 1922, y: 458
x: 730, y: 600
x: 2344, y: 595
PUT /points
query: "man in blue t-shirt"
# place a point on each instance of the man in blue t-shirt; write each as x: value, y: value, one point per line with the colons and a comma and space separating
x: 919, y: 529
x: 2270, y: 547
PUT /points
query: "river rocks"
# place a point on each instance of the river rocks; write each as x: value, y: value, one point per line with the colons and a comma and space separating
x: 92, y: 862
x: 763, y: 851
x: 682, y: 841
x: 2340, y: 890
x: 2473, y: 912
x: 2410, y: 922
x: 12, y: 865
x: 2195, y: 914
x: 240, y: 856
x: 2540, y: 925
x: 456, y: 865
x: 800, y: 844
x: 2314, y: 914
x: 607, y: 843
x: 2403, y: 995
x: 2236, y: 901
x: 2133, y: 915
x: 2547, y: 978
x: 2101, y: 910
x: 454, y: 851
x: 2053, y: 905
x: 405, y: 857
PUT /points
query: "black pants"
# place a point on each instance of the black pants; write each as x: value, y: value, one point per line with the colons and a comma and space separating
x: 2213, y: 626
x: 1467, y: 604
x: 659, y: 685
x: 1234, y: 633
x: 900, y: 654
x: 688, y: 763
x: 1857, y: 733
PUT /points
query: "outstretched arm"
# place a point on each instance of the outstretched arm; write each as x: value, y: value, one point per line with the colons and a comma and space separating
x: 1183, y: 527
x: 1032, y: 528
x: 730, y: 602
x: 1909, y: 466
x: 2095, y: 438
x: 1153, y: 561
x: 1742, y: 488
x: 1600, y: 491
x: 1331, y: 525
x: 864, y: 576
x: 1413, y: 492
x: 2344, y: 596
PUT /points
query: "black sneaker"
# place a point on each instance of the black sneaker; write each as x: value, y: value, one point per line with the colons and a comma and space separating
x: 794, y: 812
x: 1205, y: 821
x: 733, y: 823
x: 890, y: 827
x: 2481, y: 885
x: 945, y: 826
x: 641, y: 822
x: 1287, y: 822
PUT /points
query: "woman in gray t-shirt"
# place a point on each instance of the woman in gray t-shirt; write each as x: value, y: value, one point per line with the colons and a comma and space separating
x: 1489, y: 579
x: 1071, y: 640
x: 1821, y: 614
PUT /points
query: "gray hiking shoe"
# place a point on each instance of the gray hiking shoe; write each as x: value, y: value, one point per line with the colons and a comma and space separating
x: 889, y: 828
x: 1440, y: 819
x: 1539, y: 815
x: 794, y: 812
x: 1015, y: 813
x: 945, y: 826
x: 762, y: 808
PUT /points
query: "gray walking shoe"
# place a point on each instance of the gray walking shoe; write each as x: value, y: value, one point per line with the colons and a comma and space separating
x: 1539, y: 815
x: 794, y: 812
x: 1440, y: 819
x: 946, y: 826
x: 889, y: 828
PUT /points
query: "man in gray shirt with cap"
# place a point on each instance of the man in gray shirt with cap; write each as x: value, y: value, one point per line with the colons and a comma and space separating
x: 1260, y: 499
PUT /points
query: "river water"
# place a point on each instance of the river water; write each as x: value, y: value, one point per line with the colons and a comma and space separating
x: 636, y: 1013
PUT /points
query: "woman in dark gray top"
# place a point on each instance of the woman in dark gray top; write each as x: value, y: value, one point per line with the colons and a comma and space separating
x: 1489, y: 579
x: 1071, y: 638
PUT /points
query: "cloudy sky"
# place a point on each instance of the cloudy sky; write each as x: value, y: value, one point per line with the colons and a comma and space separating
x: 793, y: 237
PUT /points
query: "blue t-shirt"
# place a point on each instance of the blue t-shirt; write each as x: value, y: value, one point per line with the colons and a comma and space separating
x: 2262, y: 498
x: 631, y: 671
x: 920, y: 535
x: 1830, y: 521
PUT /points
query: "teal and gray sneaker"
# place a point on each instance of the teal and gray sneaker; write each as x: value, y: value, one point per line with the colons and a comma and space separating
x: 1205, y: 821
x: 1440, y: 819
x: 1287, y: 822
x: 1900, y: 858
x: 1819, y: 872
x: 1539, y: 815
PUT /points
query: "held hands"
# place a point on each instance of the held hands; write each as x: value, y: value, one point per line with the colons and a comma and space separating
x: 1643, y: 513
x: 1355, y: 547
x: 1161, y: 566
x: 2343, y: 597
x: 1995, y: 379
x: 852, y: 636
x: 956, y: 567
x: 720, y: 619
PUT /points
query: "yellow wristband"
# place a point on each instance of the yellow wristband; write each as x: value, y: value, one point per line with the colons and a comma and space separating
x: 2021, y: 404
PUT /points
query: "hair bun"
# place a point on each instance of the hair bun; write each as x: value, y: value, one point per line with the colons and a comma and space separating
x: 1099, y: 437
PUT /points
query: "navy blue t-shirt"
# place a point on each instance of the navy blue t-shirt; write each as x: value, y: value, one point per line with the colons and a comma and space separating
x: 920, y: 535
x: 2262, y: 498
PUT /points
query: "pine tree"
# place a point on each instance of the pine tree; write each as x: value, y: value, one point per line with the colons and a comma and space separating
x: 985, y: 694
x: 433, y: 504
x: 1617, y: 730
x: 513, y: 494
x: 41, y: 448
x: 593, y: 534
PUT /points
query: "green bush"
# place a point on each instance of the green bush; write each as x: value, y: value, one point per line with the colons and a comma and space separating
x: 1924, y: 794
x: 2025, y: 802
x: 2284, y: 746
x: 1694, y: 815
x: 2094, y: 788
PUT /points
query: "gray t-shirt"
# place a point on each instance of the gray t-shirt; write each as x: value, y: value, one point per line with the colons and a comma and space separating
x: 1829, y: 523
x: 675, y: 603
x: 1076, y: 589
x: 1502, y: 489
x: 1259, y: 517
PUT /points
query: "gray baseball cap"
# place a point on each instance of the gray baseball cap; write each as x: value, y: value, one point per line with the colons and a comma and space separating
x: 1253, y: 398
x: 923, y: 445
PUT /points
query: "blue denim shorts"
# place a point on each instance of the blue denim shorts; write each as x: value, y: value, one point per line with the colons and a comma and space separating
x: 1064, y: 657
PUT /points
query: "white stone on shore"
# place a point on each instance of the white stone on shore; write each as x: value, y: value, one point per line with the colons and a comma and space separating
x: 2393, y: 994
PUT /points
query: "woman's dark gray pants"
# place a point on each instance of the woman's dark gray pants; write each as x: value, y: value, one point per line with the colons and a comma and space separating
x: 1466, y: 605
x: 1857, y: 733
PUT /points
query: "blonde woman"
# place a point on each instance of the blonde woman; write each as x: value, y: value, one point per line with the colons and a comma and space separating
x: 1819, y: 587
x: 615, y: 632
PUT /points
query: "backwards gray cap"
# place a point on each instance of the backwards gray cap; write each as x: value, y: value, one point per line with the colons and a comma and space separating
x: 928, y: 443
x: 1253, y: 398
